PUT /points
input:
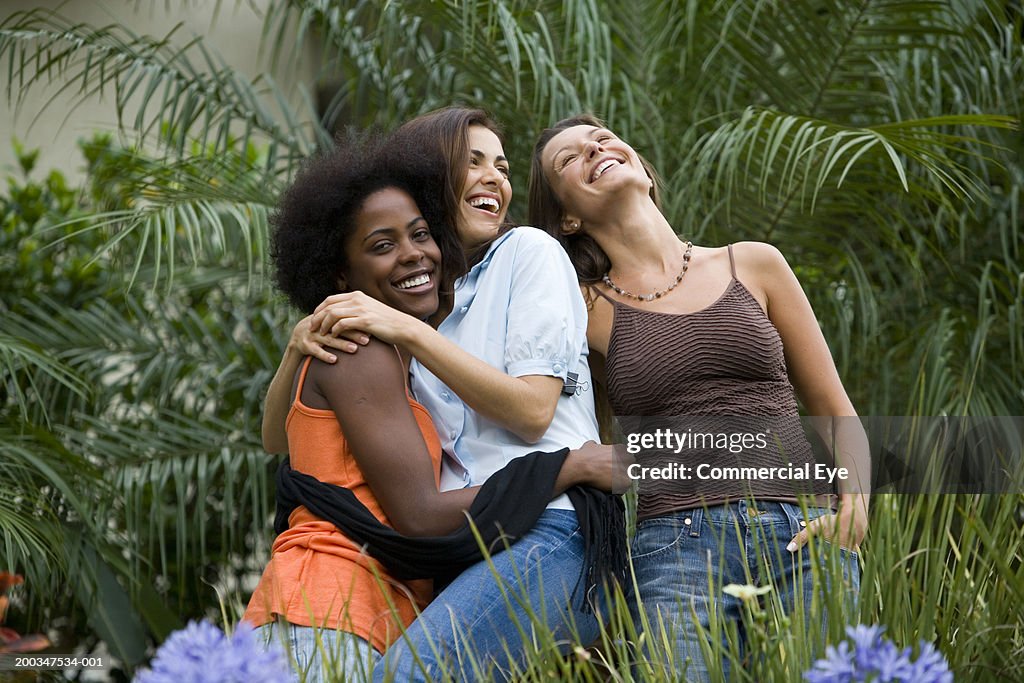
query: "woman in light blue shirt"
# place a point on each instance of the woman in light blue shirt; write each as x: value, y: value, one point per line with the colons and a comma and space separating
x: 504, y: 374
x: 509, y: 313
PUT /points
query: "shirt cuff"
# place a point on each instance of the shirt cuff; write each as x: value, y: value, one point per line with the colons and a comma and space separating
x: 539, y: 366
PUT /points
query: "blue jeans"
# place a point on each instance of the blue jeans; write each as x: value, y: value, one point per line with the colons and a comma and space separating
x: 482, y: 623
x: 338, y: 655
x: 682, y: 560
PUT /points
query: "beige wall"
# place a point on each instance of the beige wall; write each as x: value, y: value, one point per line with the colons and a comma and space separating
x: 234, y: 33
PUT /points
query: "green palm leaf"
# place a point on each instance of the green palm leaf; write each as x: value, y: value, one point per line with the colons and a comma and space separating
x: 873, y: 141
x: 184, y: 93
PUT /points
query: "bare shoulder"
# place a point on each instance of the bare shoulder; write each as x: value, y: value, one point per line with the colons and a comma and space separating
x: 763, y: 269
x: 375, y: 363
x: 759, y: 256
x: 761, y: 264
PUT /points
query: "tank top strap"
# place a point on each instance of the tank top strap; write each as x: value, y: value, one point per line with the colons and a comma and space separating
x: 302, y: 378
x: 732, y: 263
x: 401, y: 361
x: 409, y: 391
x: 603, y: 295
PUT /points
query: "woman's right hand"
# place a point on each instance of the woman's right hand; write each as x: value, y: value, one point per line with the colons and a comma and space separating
x: 601, y: 466
x: 309, y: 341
x: 355, y: 311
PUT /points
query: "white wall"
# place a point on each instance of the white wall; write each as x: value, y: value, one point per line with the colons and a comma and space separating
x: 234, y: 34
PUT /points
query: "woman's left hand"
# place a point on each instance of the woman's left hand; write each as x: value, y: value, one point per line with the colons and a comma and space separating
x: 602, y: 466
x: 845, y: 528
x: 356, y: 311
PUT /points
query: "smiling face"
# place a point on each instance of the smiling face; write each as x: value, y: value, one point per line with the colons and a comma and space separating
x: 486, y: 191
x: 587, y: 164
x: 391, y: 255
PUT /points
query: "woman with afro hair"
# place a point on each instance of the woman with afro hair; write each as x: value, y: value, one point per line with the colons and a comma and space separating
x: 504, y: 374
x: 361, y: 218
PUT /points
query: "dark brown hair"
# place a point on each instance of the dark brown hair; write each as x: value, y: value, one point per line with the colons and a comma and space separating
x: 444, y: 134
x: 546, y: 211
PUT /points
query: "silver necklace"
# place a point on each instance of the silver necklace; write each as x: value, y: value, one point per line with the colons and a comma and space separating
x: 654, y: 295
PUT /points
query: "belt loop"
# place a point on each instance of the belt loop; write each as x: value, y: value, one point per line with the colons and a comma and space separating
x: 695, y: 517
x: 795, y: 516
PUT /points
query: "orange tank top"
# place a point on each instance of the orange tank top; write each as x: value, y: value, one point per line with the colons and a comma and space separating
x: 316, y: 575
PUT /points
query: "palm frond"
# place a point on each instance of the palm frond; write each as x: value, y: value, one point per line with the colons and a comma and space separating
x: 873, y: 141
x: 47, y: 487
x: 176, y: 94
x: 823, y: 58
x: 24, y: 364
x: 799, y: 155
x: 201, y: 210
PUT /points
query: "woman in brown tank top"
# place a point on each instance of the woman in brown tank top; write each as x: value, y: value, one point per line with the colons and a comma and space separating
x: 712, y: 334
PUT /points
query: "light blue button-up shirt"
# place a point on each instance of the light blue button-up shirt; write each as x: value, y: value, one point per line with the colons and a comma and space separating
x: 519, y: 309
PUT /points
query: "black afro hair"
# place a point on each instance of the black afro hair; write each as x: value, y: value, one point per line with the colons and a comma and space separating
x: 315, y: 214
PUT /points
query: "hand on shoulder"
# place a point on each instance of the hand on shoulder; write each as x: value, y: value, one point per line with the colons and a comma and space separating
x: 376, y: 363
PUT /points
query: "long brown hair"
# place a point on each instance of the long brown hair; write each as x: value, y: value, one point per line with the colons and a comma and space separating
x: 546, y: 211
x: 444, y: 134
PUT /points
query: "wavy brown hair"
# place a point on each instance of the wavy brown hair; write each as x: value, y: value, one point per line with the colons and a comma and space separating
x: 443, y: 134
x: 546, y: 210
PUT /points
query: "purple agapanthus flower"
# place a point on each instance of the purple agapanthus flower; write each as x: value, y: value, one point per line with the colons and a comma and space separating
x: 930, y: 666
x: 202, y: 652
x: 867, y: 656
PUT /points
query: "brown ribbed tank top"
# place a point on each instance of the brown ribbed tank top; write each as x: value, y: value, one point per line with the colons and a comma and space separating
x: 695, y: 370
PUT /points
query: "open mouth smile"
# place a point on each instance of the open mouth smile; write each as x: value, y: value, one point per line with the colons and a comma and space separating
x: 485, y: 202
x: 604, y: 166
x: 421, y: 282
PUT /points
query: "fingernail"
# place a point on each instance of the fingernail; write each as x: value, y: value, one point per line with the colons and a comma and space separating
x: 791, y: 547
x: 331, y: 359
x: 364, y: 340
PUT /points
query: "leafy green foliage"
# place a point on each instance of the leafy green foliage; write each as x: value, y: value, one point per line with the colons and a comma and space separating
x: 130, y: 416
x: 874, y: 142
